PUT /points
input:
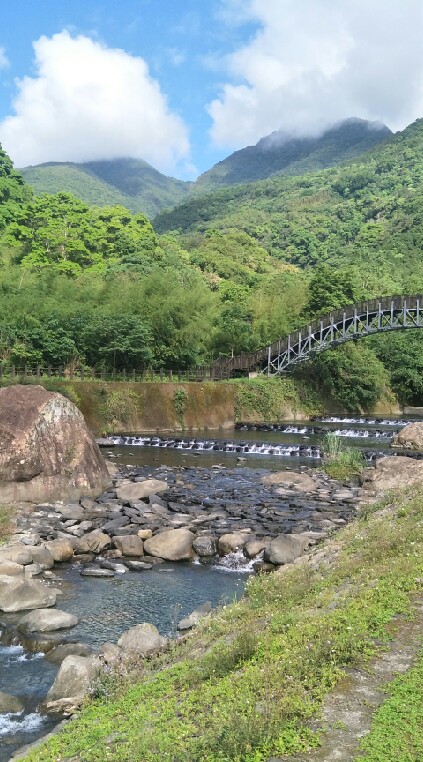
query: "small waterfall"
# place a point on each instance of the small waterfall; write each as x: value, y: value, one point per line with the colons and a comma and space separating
x: 237, y: 562
x: 217, y: 445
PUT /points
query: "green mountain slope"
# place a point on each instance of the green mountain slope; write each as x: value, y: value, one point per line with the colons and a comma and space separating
x: 129, y: 182
x: 367, y: 213
x: 282, y: 154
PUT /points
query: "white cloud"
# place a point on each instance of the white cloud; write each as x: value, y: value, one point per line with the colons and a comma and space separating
x: 91, y: 102
x: 314, y: 62
x: 4, y: 61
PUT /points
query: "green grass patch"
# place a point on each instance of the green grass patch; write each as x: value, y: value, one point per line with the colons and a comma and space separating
x: 246, y: 684
x: 341, y: 461
x: 396, y: 734
x: 274, y: 399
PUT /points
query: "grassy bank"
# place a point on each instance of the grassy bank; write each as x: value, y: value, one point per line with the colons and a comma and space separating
x: 276, y: 399
x: 397, y: 728
x: 5, y: 522
x: 246, y: 684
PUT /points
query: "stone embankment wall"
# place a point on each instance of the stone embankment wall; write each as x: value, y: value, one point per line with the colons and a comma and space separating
x: 117, y: 407
x: 133, y: 407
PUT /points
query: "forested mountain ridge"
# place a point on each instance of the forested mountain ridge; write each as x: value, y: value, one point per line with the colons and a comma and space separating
x: 139, y: 187
x: 366, y: 213
x: 132, y: 183
x: 282, y: 154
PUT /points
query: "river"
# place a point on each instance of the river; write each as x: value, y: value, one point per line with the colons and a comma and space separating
x: 169, y: 592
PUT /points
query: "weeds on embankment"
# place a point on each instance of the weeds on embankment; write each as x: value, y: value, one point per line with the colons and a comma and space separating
x: 339, y: 460
x: 5, y: 522
x: 397, y: 728
x: 245, y: 685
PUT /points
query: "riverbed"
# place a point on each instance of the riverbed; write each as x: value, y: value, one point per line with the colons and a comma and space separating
x: 167, y: 593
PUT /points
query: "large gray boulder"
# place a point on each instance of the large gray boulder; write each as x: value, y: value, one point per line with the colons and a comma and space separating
x: 410, y: 437
x: 46, y: 449
x: 129, y: 545
x: 285, y: 548
x: 19, y: 554
x: 229, y: 543
x: 20, y: 594
x: 46, y: 620
x: 137, y: 490
x: 195, y: 617
x: 392, y: 473
x: 143, y: 639
x: 10, y: 569
x: 172, y: 545
x: 60, y: 549
x: 93, y: 542
x: 205, y: 546
x: 74, y: 679
x: 42, y: 556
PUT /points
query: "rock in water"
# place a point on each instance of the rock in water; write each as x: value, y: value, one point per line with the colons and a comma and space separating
x: 9, y: 703
x: 19, y: 594
x: 143, y: 639
x: 172, y: 545
x: 46, y: 620
x: 46, y: 450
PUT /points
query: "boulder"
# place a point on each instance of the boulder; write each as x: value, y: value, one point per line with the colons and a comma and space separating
x: 138, y: 565
x: 93, y: 542
x: 137, y: 490
x: 392, y: 473
x: 42, y: 557
x: 60, y: 549
x: 129, y: 545
x: 74, y: 511
x: 19, y: 594
x: 46, y: 449
x: 229, y: 543
x: 410, y: 437
x: 145, y: 534
x: 74, y: 678
x: 58, y: 654
x: 10, y: 569
x: 96, y: 571
x: 254, y: 547
x: 291, y: 480
x: 205, y: 546
x: 192, y: 619
x: 46, y: 620
x: 19, y: 554
x: 172, y: 545
x: 143, y: 639
x: 10, y: 704
x: 285, y: 548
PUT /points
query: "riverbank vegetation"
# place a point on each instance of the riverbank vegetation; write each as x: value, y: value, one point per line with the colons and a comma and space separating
x: 223, y: 273
x: 339, y: 460
x: 5, y: 522
x: 249, y: 682
x: 397, y: 729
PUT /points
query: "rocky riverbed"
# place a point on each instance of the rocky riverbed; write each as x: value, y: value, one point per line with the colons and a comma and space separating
x: 247, y: 517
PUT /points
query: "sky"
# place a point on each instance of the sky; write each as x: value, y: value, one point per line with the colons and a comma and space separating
x: 183, y: 83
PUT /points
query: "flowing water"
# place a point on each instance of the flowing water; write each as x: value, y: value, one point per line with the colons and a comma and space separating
x: 167, y: 593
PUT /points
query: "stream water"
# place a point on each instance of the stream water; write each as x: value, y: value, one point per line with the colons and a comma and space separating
x: 163, y: 596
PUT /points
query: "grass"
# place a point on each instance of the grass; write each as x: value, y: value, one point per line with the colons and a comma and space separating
x: 5, y: 522
x: 340, y: 461
x: 246, y: 684
x: 396, y: 734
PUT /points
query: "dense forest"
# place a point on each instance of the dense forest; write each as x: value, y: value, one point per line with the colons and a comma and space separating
x: 221, y: 273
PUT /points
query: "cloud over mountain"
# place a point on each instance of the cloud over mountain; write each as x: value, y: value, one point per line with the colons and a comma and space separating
x: 310, y: 64
x: 90, y: 102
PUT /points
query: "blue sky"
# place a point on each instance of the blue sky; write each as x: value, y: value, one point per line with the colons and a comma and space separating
x: 182, y: 83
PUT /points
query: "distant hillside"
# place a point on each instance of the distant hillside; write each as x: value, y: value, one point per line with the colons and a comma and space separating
x: 130, y: 182
x: 281, y: 154
x: 365, y: 213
